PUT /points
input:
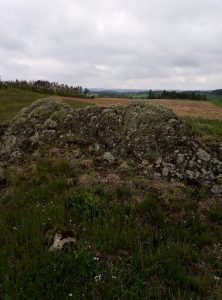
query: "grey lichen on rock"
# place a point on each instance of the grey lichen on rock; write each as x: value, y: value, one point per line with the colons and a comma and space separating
x: 34, y: 125
x: 108, y: 157
x: 140, y: 132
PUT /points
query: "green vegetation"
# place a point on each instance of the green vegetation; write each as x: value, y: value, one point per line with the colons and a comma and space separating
x: 204, y: 127
x: 216, y: 99
x: 133, y: 242
x: 46, y: 87
x: 13, y: 100
x: 191, y: 95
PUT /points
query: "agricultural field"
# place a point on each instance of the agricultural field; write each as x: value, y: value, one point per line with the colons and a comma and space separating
x: 184, y: 108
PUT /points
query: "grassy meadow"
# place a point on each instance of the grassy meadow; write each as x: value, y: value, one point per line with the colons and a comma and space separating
x: 133, y: 242
x: 13, y: 100
x: 206, y: 128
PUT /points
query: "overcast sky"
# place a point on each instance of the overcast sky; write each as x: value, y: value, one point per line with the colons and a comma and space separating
x: 157, y: 44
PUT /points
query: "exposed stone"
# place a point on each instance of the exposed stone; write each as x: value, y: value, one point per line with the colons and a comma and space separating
x: 165, y: 172
x: 180, y: 159
x: 50, y: 124
x: 191, y: 164
x: 157, y: 174
x: 138, y: 132
x: 97, y: 146
x: 108, y: 156
x: 217, y: 189
x: 203, y: 155
x: 60, y: 242
x: 190, y: 174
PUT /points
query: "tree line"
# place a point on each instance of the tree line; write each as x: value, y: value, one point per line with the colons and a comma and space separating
x: 176, y: 95
x: 46, y: 87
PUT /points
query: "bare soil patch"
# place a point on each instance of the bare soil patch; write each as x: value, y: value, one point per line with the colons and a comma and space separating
x: 185, y: 108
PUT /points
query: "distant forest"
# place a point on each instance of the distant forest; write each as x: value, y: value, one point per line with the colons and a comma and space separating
x: 176, y: 95
x: 46, y: 87
x: 54, y: 88
x: 217, y: 92
x: 189, y: 95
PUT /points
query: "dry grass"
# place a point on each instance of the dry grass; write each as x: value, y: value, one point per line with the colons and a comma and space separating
x: 185, y: 108
x: 193, y: 109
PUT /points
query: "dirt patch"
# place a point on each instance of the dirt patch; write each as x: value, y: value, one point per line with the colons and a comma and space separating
x: 185, y: 108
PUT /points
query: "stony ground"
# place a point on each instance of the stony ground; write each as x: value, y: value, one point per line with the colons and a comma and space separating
x: 141, y: 134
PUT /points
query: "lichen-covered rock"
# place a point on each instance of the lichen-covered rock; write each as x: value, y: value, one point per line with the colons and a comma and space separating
x: 36, y: 125
x: 108, y: 157
x: 140, y: 132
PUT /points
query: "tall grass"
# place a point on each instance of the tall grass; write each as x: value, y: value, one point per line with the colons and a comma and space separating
x: 204, y: 127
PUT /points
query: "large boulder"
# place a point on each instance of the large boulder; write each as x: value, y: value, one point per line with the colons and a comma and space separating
x: 140, y: 131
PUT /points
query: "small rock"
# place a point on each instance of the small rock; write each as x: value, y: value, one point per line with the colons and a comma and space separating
x: 203, y: 155
x: 217, y: 190
x: 165, y: 172
x: 50, y: 124
x: 97, y: 147
x: 190, y: 174
x: 208, y: 175
x: 191, y: 164
x: 108, y: 156
x: 180, y: 159
x: 59, y: 242
x: 157, y: 174
x: 159, y: 161
x: 172, y: 121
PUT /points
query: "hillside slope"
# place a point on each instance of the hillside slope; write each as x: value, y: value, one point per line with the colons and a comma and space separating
x: 13, y: 100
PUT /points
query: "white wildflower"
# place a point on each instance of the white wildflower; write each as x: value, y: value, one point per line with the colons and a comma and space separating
x: 96, y: 258
x: 97, y: 278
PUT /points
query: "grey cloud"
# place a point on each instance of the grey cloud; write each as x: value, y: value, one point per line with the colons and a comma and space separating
x: 112, y: 43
